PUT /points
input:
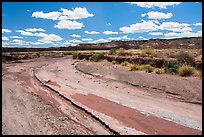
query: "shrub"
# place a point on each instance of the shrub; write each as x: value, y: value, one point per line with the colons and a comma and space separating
x: 112, y: 51
x: 159, y: 71
x: 148, y: 51
x: 125, y: 63
x: 200, y: 52
x: 149, y: 69
x: 186, y: 70
x: 75, y: 55
x: 97, y: 57
x: 113, y: 62
x: 197, y: 73
x: 185, y: 58
x: 171, y: 67
x: 120, y: 52
x: 134, y: 67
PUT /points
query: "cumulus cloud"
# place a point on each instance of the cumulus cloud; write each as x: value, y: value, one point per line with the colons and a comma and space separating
x: 114, y: 38
x: 140, y: 37
x: 157, y: 15
x: 75, y: 36
x: 50, y: 38
x: 101, y: 41
x: 175, y: 26
x: 183, y: 34
x: 161, y: 5
x: 125, y: 37
x: 64, y: 14
x: 156, y: 33
x: 67, y: 24
x: 75, y: 41
x: 16, y: 37
x: 35, y: 29
x: 91, y: 32
x: 109, y: 32
x: 77, y: 13
x: 144, y: 26
x: 6, y: 30
x: 54, y: 15
x: 5, y: 43
x: 86, y: 39
x: 46, y: 38
x: 198, y: 24
x: 5, y: 38
x: 20, y: 42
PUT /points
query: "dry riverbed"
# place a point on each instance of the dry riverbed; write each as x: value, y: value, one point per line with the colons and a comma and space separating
x: 66, y: 96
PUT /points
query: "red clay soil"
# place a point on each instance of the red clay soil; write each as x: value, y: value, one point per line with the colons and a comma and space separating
x: 132, y: 118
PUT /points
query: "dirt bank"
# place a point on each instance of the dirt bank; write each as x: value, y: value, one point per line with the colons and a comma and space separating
x: 176, y: 87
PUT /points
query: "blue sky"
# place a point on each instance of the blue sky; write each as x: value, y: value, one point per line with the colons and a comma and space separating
x: 54, y: 24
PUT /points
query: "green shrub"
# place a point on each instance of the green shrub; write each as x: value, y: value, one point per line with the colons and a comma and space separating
x: 200, y: 52
x: 75, y: 55
x: 148, y: 51
x: 186, y: 70
x: 159, y: 71
x: 149, y: 69
x: 97, y: 57
x: 134, y: 67
x: 112, y: 51
x: 120, y: 52
x: 125, y: 63
x: 114, y: 62
x: 185, y: 58
x: 171, y: 67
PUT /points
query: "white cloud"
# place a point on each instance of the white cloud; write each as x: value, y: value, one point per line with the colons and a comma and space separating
x: 75, y: 41
x: 69, y: 43
x: 91, y: 32
x: 75, y: 36
x: 140, y: 37
x: 161, y: 5
x: 5, y: 38
x: 20, y: 42
x: 198, y: 24
x: 51, y: 15
x: 144, y: 26
x: 100, y: 41
x: 77, y: 13
x: 125, y: 37
x: 35, y: 29
x: 183, y: 34
x: 155, y: 21
x: 46, y: 38
x: 109, y: 32
x: 6, y: 30
x: 16, y: 37
x: 37, y: 43
x: 175, y: 26
x: 5, y: 43
x: 157, y: 15
x: 50, y: 38
x: 108, y: 24
x: 25, y: 33
x: 114, y: 38
x: 156, y: 33
x: 67, y: 24
x: 86, y: 39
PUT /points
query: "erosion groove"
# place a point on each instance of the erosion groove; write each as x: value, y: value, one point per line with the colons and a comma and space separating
x: 79, y: 107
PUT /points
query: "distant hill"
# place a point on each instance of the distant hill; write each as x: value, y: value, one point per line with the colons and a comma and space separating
x: 178, y: 43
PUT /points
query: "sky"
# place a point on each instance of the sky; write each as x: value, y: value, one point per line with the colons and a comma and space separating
x: 55, y: 24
